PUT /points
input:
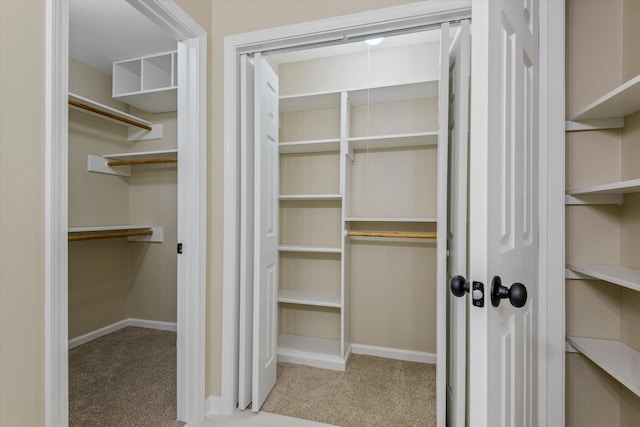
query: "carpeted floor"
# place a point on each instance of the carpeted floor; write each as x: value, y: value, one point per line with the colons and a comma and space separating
x: 127, y: 378
x: 372, y: 392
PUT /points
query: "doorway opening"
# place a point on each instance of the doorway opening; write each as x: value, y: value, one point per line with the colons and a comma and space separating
x: 178, y: 78
x: 337, y: 154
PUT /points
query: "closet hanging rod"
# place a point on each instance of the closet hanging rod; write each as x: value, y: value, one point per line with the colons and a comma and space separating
x: 112, y: 116
x: 141, y: 162
x: 392, y: 234
x: 95, y: 236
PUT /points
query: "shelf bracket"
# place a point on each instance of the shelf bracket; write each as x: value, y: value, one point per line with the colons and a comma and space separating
x: 568, y: 348
x: 136, y: 134
x: 99, y: 164
x: 594, y: 199
x: 350, y: 152
x: 596, y: 124
x: 572, y: 275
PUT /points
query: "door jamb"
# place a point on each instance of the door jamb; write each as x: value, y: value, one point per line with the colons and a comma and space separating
x: 355, y: 25
x: 192, y: 128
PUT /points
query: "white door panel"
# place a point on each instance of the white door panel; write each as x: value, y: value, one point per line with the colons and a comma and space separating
x: 459, y: 73
x: 265, y: 322
x: 503, y: 229
x: 247, y: 133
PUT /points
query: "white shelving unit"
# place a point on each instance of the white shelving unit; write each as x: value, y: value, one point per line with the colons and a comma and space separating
x: 148, y: 82
x: 621, y: 187
x: 317, y: 197
x: 320, y: 352
x: 309, y: 249
x: 394, y: 141
x: 389, y: 219
x: 317, y: 146
x: 101, y: 164
x: 617, y: 359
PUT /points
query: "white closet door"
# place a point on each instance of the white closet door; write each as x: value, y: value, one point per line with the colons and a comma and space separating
x: 459, y: 74
x: 245, y: 349
x: 265, y: 313
x: 503, y: 202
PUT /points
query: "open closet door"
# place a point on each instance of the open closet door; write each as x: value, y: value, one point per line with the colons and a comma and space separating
x: 459, y: 73
x: 247, y: 133
x: 265, y: 286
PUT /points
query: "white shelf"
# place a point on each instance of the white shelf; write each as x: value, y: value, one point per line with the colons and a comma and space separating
x: 395, y: 93
x: 302, y: 197
x: 620, y: 102
x: 309, y: 249
x: 617, y: 359
x: 319, y: 352
x: 108, y: 228
x: 622, y: 276
x: 622, y: 187
x: 387, y: 219
x: 100, y: 164
x: 119, y: 117
x: 141, y: 155
x: 309, y: 298
x: 394, y: 141
x: 317, y: 146
x: 310, y: 101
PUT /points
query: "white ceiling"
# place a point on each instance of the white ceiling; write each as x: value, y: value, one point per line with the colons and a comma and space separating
x: 103, y: 31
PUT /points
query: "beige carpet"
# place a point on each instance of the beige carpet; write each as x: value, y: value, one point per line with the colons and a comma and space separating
x: 372, y: 392
x: 127, y: 378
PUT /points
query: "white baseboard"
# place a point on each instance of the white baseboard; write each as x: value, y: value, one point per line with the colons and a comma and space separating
x: 213, y: 406
x: 141, y: 323
x: 394, y: 353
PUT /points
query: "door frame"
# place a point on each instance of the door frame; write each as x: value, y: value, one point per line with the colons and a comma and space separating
x: 357, y: 27
x: 551, y: 321
x: 192, y: 170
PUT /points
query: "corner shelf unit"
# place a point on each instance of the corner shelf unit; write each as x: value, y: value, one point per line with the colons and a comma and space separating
x: 608, y: 111
x: 120, y: 164
x: 149, y: 83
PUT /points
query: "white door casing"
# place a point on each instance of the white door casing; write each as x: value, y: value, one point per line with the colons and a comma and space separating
x: 247, y: 132
x: 459, y: 74
x: 265, y: 313
x: 503, y: 206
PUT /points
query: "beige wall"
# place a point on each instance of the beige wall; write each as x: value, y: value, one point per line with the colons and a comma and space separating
x: 22, y: 216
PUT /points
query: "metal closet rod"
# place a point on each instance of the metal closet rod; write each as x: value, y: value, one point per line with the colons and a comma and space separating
x: 95, y: 236
x: 392, y: 234
x: 141, y: 162
x: 108, y: 114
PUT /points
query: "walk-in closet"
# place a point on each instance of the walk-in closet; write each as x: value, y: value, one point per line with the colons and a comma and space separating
x: 353, y: 201
x: 602, y: 214
x: 122, y: 216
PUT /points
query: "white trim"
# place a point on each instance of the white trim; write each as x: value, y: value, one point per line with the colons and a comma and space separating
x: 394, y: 353
x: 139, y: 323
x: 214, y: 403
x: 551, y: 289
x: 56, y: 255
x: 192, y: 127
x: 355, y: 25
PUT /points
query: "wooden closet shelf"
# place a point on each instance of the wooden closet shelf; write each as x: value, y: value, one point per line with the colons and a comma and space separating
x: 86, y: 105
x: 392, y: 234
x: 112, y: 235
x: 141, y: 162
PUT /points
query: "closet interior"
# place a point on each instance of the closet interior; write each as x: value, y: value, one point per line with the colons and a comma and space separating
x: 122, y: 172
x: 361, y: 176
x: 602, y: 214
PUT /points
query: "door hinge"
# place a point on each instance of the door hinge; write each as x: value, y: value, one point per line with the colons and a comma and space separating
x: 179, y: 248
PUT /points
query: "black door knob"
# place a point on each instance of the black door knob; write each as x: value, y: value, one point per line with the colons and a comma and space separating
x: 517, y: 293
x: 459, y: 285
